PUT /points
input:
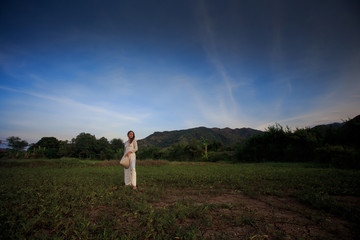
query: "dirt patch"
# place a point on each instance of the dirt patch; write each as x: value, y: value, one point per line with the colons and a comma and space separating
x: 348, y: 200
x: 237, y: 216
x: 96, y: 213
x: 229, y: 214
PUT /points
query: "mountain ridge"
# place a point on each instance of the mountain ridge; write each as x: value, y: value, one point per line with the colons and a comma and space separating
x: 227, y: 136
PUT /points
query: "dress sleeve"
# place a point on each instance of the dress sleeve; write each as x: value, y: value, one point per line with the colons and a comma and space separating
x: 135, y: 146
x: 125, y: 147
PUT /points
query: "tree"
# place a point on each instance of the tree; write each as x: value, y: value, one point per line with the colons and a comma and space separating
x: 16, y: 143
x: 205, y: 144
x: 85, y: 145
x: 103, y: 149
x: 175, y: 152
x: 215, y: 146
x: 150, y: 153
x: 50, y: 146
x: 117, y: 144
x: 66, y: 149
x: 193, y: 150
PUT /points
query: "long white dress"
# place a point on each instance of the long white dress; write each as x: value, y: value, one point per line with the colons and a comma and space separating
x: 130, y: 173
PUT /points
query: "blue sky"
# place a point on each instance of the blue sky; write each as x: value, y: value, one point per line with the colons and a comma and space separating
x: 105, y: 67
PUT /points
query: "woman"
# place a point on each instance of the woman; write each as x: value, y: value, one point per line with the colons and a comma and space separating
x: 130, y: 148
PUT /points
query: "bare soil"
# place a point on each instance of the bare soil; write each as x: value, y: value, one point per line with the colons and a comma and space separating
x: 231, y: 214
x: 237, y: 216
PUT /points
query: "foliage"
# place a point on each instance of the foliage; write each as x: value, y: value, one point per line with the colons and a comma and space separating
x: 150, y: 153
x: 67, y: 149
x: 337, y: 147
x: 193, y: 150
x: 103, y: 149
x: 85, y: 146
x: 338, y: 156
x: 16, y: 143
x: 176, y: 152
x: 48, y: 146
x: 205, y: 154
x: 215, y: 146
x: 196, y: 150
x: 117, y: 144
x: 219, y: 157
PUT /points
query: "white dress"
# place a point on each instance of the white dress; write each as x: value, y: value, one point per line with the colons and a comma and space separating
x: 130, y: 173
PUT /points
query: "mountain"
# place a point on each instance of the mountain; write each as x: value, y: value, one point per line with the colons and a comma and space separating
x: 343, y: 126
x: 325, y: 127
x: 226, y: 136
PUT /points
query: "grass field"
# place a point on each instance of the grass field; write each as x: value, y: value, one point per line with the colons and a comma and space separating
x: 77, y: 199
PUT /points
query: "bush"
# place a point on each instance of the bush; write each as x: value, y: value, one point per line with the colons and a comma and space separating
x: 150, y: 153
x: 338, y: 156
x: 219, y: 156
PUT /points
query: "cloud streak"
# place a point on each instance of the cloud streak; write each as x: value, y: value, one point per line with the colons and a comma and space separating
x: 76, y: 104
x: 208, y: 37
x: 224, y: 108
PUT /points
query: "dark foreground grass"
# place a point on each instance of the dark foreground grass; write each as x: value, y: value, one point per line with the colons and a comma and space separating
x: 73, y: 199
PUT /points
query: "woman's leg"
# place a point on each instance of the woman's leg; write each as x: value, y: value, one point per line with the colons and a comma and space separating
x: 133, y: 170
x: 127, y: 179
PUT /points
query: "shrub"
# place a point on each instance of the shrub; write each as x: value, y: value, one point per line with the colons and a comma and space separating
x: 338, y: 156
x: 219, y: 156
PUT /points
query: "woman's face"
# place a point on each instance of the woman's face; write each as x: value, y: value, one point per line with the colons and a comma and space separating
x: 131, y: 135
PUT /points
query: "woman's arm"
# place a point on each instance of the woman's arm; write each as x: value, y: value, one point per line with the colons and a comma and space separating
x: 135, y: 146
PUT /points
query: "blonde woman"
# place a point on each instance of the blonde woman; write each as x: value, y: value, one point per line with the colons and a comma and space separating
x: 130, y: 148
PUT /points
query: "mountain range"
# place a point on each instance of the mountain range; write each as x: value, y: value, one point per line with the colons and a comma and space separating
x: 226, y: 136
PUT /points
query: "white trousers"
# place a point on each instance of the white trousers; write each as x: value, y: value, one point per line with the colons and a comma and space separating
x: 130, y: 173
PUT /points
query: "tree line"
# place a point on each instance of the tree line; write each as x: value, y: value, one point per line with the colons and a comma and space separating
x: 84, y: 146
x: 334, y: 145
x: 337, y: 146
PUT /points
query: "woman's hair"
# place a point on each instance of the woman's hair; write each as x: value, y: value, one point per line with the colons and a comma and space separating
x: 131, y: 139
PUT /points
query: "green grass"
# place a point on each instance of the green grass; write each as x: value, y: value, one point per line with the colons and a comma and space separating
x: 73, y: 199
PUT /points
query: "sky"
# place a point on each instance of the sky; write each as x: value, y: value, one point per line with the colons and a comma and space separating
x: 106, y: 67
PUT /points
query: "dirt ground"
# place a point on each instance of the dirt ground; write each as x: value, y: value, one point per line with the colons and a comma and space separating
x: 237, y: 216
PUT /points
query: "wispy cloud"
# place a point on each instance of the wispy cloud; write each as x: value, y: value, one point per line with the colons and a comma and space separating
x: 75, y: 104
x: 208, y: 37
x: 206, y: 106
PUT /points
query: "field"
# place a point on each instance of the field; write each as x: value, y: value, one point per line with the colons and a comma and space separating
x: 75, y: 199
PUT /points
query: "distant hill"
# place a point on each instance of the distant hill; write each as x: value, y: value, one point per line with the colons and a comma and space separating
x: 226, y: 136
x: 325, y: 127
x: 343, y: 126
